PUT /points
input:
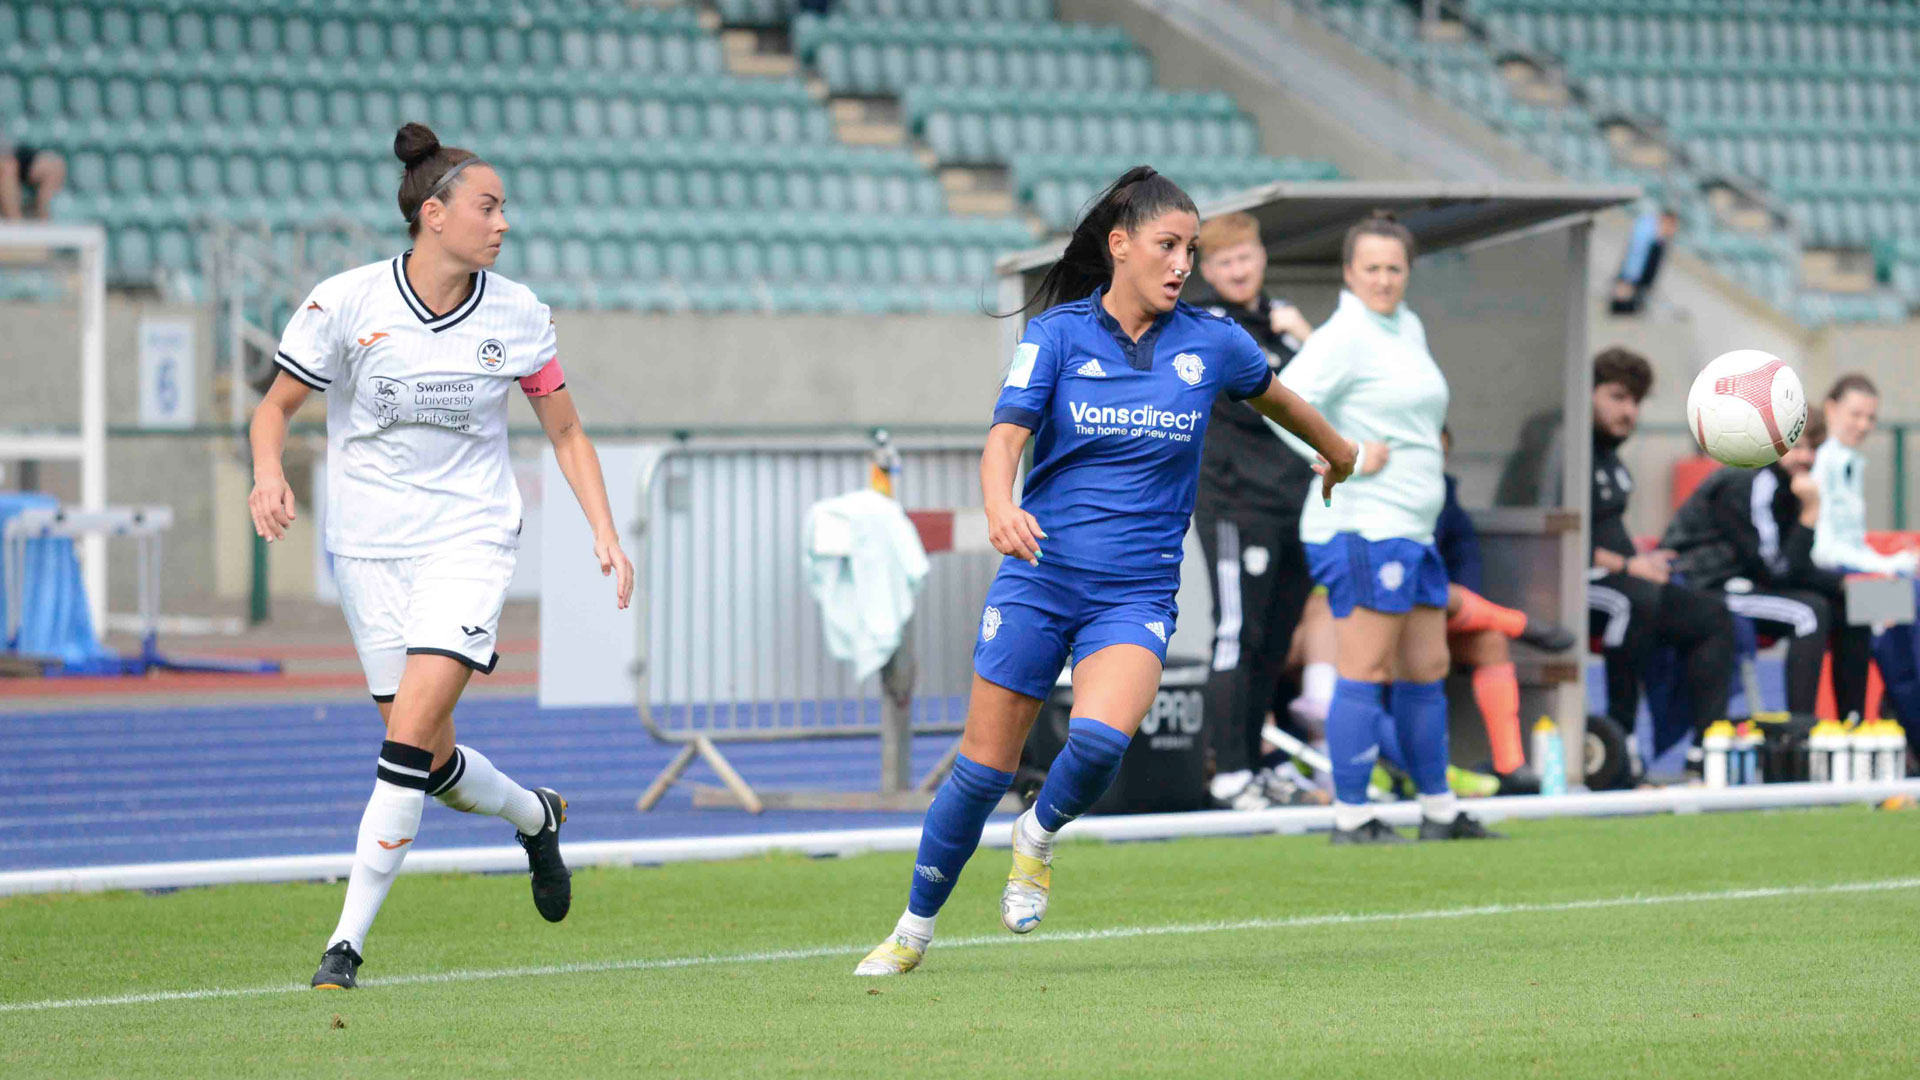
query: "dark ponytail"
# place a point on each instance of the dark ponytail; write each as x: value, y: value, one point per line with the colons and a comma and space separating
x: 429, y: 167
x: 1139, y: 195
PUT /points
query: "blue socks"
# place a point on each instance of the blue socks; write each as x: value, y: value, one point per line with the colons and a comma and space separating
x: 1081, y: 774
x: 1354, y: 722
x: 1420, y: 718
x: 952, y: 831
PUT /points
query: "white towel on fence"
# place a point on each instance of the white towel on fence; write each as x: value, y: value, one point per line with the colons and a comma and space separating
x: 864, y: 565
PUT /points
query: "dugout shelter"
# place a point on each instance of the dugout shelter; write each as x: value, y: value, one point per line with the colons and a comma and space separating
x: 1501, y: 281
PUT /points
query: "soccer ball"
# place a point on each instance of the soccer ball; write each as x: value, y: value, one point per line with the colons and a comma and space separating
x: 1746, y: 408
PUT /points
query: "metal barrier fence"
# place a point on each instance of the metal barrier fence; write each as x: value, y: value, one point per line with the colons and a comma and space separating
x: 733, y: 648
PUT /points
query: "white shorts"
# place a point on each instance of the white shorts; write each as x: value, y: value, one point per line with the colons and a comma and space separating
x: 447, y: 604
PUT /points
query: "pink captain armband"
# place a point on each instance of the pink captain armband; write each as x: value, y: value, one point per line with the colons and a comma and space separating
x: 545, y: 381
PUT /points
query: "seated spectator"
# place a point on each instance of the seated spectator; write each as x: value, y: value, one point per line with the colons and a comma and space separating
x: 1850, y: 413
x: 1645, y: 250
x: 24, y: 169
x: 1635, y: 607
x: 1749, y: 533
x: 1477, y: 634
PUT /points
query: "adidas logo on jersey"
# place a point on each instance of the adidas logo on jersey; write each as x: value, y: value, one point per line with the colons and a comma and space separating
x: 1159, y: 630
x: 1091, y: 367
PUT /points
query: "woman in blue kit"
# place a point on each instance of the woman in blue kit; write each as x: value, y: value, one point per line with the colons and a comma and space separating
x: 1113, y: 382
x: 1369, y: 368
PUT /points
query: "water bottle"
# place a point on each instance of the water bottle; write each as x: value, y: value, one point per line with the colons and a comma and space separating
x: 1820, y: 751
x: 1840, y: 747
x: 1549, y: 757
x: 1717, y: 746
x: 1891, y: 761
x: 1750, y: 742
x: 1864, y: 741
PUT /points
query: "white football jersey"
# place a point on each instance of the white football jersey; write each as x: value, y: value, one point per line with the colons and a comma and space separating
x: 417, y: 406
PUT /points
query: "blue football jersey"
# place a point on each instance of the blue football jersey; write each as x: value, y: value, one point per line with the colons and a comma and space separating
x: 1118, y: 426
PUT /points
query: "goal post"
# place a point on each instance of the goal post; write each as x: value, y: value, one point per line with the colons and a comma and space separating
x: 52, y: 439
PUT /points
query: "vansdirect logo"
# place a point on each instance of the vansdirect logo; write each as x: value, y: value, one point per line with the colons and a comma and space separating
x: 1140, y: 421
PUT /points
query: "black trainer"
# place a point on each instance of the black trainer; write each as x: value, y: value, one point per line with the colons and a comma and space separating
x: 1374, y: 831
x: 552, y: 882
x: 339, y: 968
x: 1521, y: 781
x: 1547, y: 637
x: 1464, y: 826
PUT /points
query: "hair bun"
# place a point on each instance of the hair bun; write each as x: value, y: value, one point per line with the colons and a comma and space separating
x: 415, y: 143
x: 1383, y: 214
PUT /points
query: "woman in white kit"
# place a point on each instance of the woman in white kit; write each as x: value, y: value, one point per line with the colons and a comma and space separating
x: 1369, y: 372
x: 416, y: 356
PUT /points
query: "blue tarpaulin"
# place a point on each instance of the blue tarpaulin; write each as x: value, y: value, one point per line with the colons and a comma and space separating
x: 55, y: 623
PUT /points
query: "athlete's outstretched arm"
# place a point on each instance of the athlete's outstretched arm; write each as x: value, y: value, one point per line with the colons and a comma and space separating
x: 271, y: 502
x: 1012, y: 530
x: 1291, y: 411
x: 580, y: 464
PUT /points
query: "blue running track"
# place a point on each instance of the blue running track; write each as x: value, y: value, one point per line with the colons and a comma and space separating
x: 146, y: 784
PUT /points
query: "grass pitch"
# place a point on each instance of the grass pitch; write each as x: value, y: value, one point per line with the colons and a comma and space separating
x: 1759, y: 944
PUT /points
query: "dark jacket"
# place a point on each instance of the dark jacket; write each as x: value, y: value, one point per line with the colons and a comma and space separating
x: 1612, y: 487
x: 1745, y: 523
x: 1244, y: 467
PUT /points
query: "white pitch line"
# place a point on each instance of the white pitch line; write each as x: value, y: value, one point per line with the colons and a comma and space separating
x: 817, y: 952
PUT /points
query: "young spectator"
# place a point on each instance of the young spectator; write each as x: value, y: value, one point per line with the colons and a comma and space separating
x: 24, y: 170
x: 1645, y: 249
x: 1851, y: 411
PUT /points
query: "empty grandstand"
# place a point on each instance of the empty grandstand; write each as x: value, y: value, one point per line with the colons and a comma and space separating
x: 1784, y: 133
x: 648, y: 173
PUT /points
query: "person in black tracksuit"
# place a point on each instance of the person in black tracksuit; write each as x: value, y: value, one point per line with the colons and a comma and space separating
x: 1634, y: 606
x: 1252, y: 488
x: 1749, y: 533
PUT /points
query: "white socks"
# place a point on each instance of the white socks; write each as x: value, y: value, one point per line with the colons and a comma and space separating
x: 1228, y: 784
x: 1032, y: 835
x: 469, y: 783
x: 387, y: 829
x: 1350, y: 816
x: 916, y: 928
x: 1440, y: 809
x: 1316, y: 693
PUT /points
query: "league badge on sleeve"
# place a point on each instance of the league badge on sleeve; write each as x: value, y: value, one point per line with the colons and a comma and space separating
x: 1188, y: 366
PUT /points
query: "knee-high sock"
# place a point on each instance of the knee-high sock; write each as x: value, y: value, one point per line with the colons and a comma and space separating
x: 952, y: 831
x: 1420, y: 715
x: 387, y: 829
x: 1081, y: 774
x: 1479, y: 613
x: 1497, y: 692
x: 469, y: 783
x: 1353, y: 736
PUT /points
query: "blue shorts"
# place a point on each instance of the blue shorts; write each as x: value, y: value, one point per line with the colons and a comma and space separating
x: 1391, y: 577
x: 1037, y: 616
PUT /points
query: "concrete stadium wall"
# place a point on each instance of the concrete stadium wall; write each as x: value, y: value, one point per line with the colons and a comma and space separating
x: 732, y: 371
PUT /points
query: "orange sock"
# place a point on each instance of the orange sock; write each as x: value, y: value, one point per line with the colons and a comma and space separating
x: 1479, y: 613
x: 1497, y: 693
